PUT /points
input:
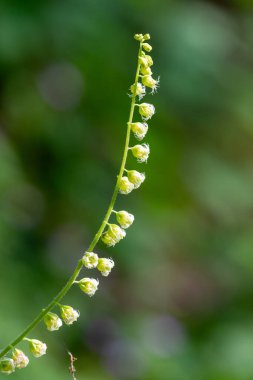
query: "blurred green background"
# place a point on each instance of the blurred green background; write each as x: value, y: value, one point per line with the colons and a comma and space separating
x: 179, y: 303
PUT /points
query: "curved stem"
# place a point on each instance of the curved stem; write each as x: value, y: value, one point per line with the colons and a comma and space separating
x: 94, y: 242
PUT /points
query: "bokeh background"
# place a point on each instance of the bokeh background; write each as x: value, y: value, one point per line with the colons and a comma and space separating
x: 179, y: 303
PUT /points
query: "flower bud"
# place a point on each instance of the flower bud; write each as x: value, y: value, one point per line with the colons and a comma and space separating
x: 105, y: 266
x: 88, y: 285
x: 139, y: 130
x: 146, y: 110
x: 108, y: 240
x: 68, y: 314
x: 148, y: 81
x: 149, y: 60
x: 90, y: 260
x: 52, y: 321
x: 37, y: 348
x: 147, y: 47
x: 145, y: 70
x: 125, y: 186
x: 19, y: 358
x: 116, y: 232
x: 143, y: 61
x: 113, y: 235
x: 146, y: 36
x: 139, y: 90
x: 138, y: 37
x: 141, y: 152
x: 7, y: 366
x: 136, y: 178
x: 124, y: 219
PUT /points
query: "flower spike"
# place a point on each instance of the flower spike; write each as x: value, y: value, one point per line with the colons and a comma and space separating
x: 108, y: 233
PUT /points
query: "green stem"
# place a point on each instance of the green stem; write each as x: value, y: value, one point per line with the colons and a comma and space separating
x: 94, y: 242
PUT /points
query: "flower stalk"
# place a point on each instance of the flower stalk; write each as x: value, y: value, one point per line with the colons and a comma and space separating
x: 114, y: 233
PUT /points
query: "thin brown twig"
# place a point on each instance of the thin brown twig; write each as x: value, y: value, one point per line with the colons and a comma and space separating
x: 72, y: 369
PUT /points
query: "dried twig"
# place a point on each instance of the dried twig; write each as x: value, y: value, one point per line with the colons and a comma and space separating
x: 72, y: 369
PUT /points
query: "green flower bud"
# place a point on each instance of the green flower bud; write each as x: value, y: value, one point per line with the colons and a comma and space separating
x: 125, y: 186
x: 138, y: 37
x: 52, y: 321
x: 139, y: 130
x: 19, y: 358
x: 146, y: 36
x: 146, y: 110
x: 7, y: 366
x: 149, y: 60
x: 124, y: 219
x: 145, y: 70
x: 90, y: 260
x: 143, y: 61
x: 37, y: 348
x: 141, y: 152
x: 147, y: 47
x: 68, y: 314
x: 136, y: 178
x: 105, y: 266
x: 88, y: 285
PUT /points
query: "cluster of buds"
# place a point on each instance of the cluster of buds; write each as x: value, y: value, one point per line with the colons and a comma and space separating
x: 37, y: 348
x: 19, y: 360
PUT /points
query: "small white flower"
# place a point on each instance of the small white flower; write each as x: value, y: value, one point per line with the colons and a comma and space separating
x: 90, y: 260
x: 141, y: 152
x: 68, y: 314
x: 150, y: 82
x: 52, y: 321
x: 125, y: 186
x: 136, y: 178
x: 88, y: 285
x: 108, y: 240
x: 139, y: 129
x: 146, y: 110
x: 37, y: 347
x: 105, y: 266
x: 139, y: 90
x: 124, y: 218
x: 7, y: 366
x: 19, y: 358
